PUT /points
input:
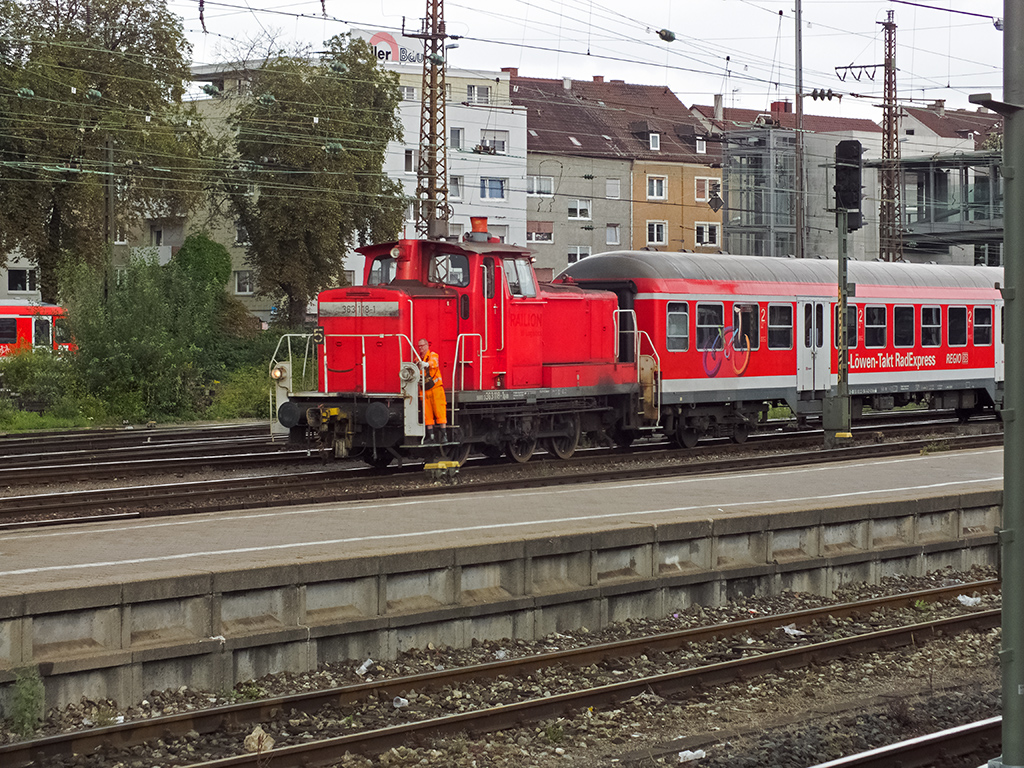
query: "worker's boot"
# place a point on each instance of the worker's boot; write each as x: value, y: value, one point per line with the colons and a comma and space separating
x: 430, y: 435
x: 442, y: 434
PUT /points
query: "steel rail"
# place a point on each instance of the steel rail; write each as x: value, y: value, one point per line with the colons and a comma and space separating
x: 13, y: 444
x: 208, y: 721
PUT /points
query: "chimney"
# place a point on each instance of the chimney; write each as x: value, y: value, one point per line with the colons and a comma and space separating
x: 939, y: 107
x: 719, y: 110
x: 598, y: 78
x: 781, y: 107
x: 512, y: 71
x: 567, y: 83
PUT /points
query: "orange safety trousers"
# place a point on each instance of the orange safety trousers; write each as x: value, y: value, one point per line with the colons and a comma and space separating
x: 435, y: 406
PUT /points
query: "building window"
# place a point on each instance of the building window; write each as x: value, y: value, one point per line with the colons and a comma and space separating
x: 657, y: 232
x: 657, y: 187
x: 410, y: 161
x: 540, y: 231
x: 408, y: 92
x: 540, y: 186
x: 478, y: 94
x: 243, y: 282
x: 455, y: 187
x: 410, y: 211
x: 494, y: 140
x: 579, y: 209
x: 156, y: 237
x: 705, y: 187
x: 706, y: 233
x: 456, y: 138
x: 611, y: 235
x: 612, y: 189
x: 241, y: 234
x: 677, y: 327
x: 655, y: 141
x: 702, y: 147
x: 499, y: 231
x: 21, y: 280
x: 455, y: 230
x: 577, y: 252
x: 492, y: 189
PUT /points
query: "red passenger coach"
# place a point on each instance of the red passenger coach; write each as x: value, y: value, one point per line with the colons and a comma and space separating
x: 628, y: 343
x: 24, y: 325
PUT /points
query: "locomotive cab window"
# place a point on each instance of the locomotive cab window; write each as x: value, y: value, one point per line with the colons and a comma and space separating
x: 519, y: 275
x: 982, y: 326
x: 745, y: 325
x: 874, y: 327
x: 903, y: 326
x: 677, y: 327
x: 449, y: 269
x: 488, y: 278
x: 931, y: 326
x: 382, y: 271
x: 8, y: 330
x: 957, y: 317
x: 851, y: 326
x: 780, y: 326
x: 710, y: 323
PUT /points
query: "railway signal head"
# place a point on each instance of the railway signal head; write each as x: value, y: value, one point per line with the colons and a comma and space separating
x: 849, y: 165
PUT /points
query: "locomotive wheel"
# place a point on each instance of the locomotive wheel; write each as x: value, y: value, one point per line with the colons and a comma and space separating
x: 623, y: 438
x: 491, y: 451
x: 381, y: 459
x: 521, y: 449
x: 688, y: 437
x: 459, y: 452
x: 564, y: 446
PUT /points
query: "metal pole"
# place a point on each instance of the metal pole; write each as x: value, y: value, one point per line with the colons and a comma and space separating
x: 799, y: 170
x: 1011, y: 537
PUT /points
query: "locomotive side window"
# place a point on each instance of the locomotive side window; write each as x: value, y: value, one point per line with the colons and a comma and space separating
x: 851, y: 326
x: 42, y: 332
x: 8, y: 330
x: 677, y: 327
x: 382, y: 271
x: 957, y: 317
x: 982, y: 326
x: 488, y: 278
x: 710, y: 323
x: 744, y: 320
x: 449, y: 269
x: 780, y: 326
x: 511, y: 276
x: 903, y: 326
x: 931, y: 326
x: 527, y: 284
x: 874, y: 327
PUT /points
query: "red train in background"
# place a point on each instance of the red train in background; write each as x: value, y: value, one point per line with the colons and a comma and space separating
x: 625, y: 344
x: 27, y: 325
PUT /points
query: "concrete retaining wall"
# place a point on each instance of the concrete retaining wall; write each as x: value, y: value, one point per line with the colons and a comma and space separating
x: 213, y: 630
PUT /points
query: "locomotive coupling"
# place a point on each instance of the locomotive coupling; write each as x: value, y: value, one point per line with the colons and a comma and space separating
x: 318, y: 417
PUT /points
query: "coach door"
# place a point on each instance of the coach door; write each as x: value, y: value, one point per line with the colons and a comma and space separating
x: 813, y: 352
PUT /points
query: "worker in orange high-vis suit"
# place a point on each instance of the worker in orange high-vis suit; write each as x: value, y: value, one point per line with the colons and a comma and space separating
x: 434, y: 404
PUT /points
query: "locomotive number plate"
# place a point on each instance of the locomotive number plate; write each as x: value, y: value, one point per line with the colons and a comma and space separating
x: 359, y: 309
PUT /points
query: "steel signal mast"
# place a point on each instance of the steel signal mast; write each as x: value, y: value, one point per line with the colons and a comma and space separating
x: 433, y: 211
x: 890, y: 232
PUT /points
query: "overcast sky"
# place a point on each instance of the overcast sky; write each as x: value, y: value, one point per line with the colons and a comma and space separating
x: 743, y: 49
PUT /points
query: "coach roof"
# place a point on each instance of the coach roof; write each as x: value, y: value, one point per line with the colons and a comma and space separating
x: 660, y: 265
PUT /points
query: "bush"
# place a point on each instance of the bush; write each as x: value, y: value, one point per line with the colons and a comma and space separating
x: 243, y: 394
x: 37, y: 376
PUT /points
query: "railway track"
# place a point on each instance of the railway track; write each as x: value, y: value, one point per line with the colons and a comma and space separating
x: 238, y: 719
x: 348, y: 483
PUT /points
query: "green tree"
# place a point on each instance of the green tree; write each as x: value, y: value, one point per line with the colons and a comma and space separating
x: 91, y: 112
x: 206, y: 259
x: 308, y: 184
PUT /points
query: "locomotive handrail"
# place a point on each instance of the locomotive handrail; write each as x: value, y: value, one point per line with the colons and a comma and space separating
x: 463, y: 363
x: 286, y: 340
x: 638, y: 337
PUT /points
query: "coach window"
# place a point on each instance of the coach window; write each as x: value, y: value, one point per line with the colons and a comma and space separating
x: 744, y: 320
x: 813, y: 323
x: 903, y: 326
x: 874, y: 327
x: 982, y: 326
x: 710, y: 323
x: 42, y: 333
x: 449, y: 269
x: 780, y: 326
x: 851, y: 326
x: 677, y: 327
x: 8, y: 330
x: 957, y: 317
x: 931, y: 326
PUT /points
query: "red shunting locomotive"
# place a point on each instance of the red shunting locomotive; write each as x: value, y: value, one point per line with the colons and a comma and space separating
x: 625, y: 344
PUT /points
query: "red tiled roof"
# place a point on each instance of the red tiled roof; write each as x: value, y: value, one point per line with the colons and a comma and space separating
x: 609, y: 119
x: 738, y: 119
x: 958, y: 123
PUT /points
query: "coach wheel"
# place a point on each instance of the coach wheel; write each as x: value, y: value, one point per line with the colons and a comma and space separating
x: 688, y: 437
x: 564, y: 446
x: 521, y: 449
x: 458, y: 452
x: 740, y: 433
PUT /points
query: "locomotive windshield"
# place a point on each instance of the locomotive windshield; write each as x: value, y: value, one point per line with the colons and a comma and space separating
x: 382, y: 271
x: 450, y: 269
x: 519, y: 275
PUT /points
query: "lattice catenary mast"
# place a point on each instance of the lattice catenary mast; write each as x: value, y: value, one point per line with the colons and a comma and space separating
x: 890, y: 231
x: 433, y: 210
